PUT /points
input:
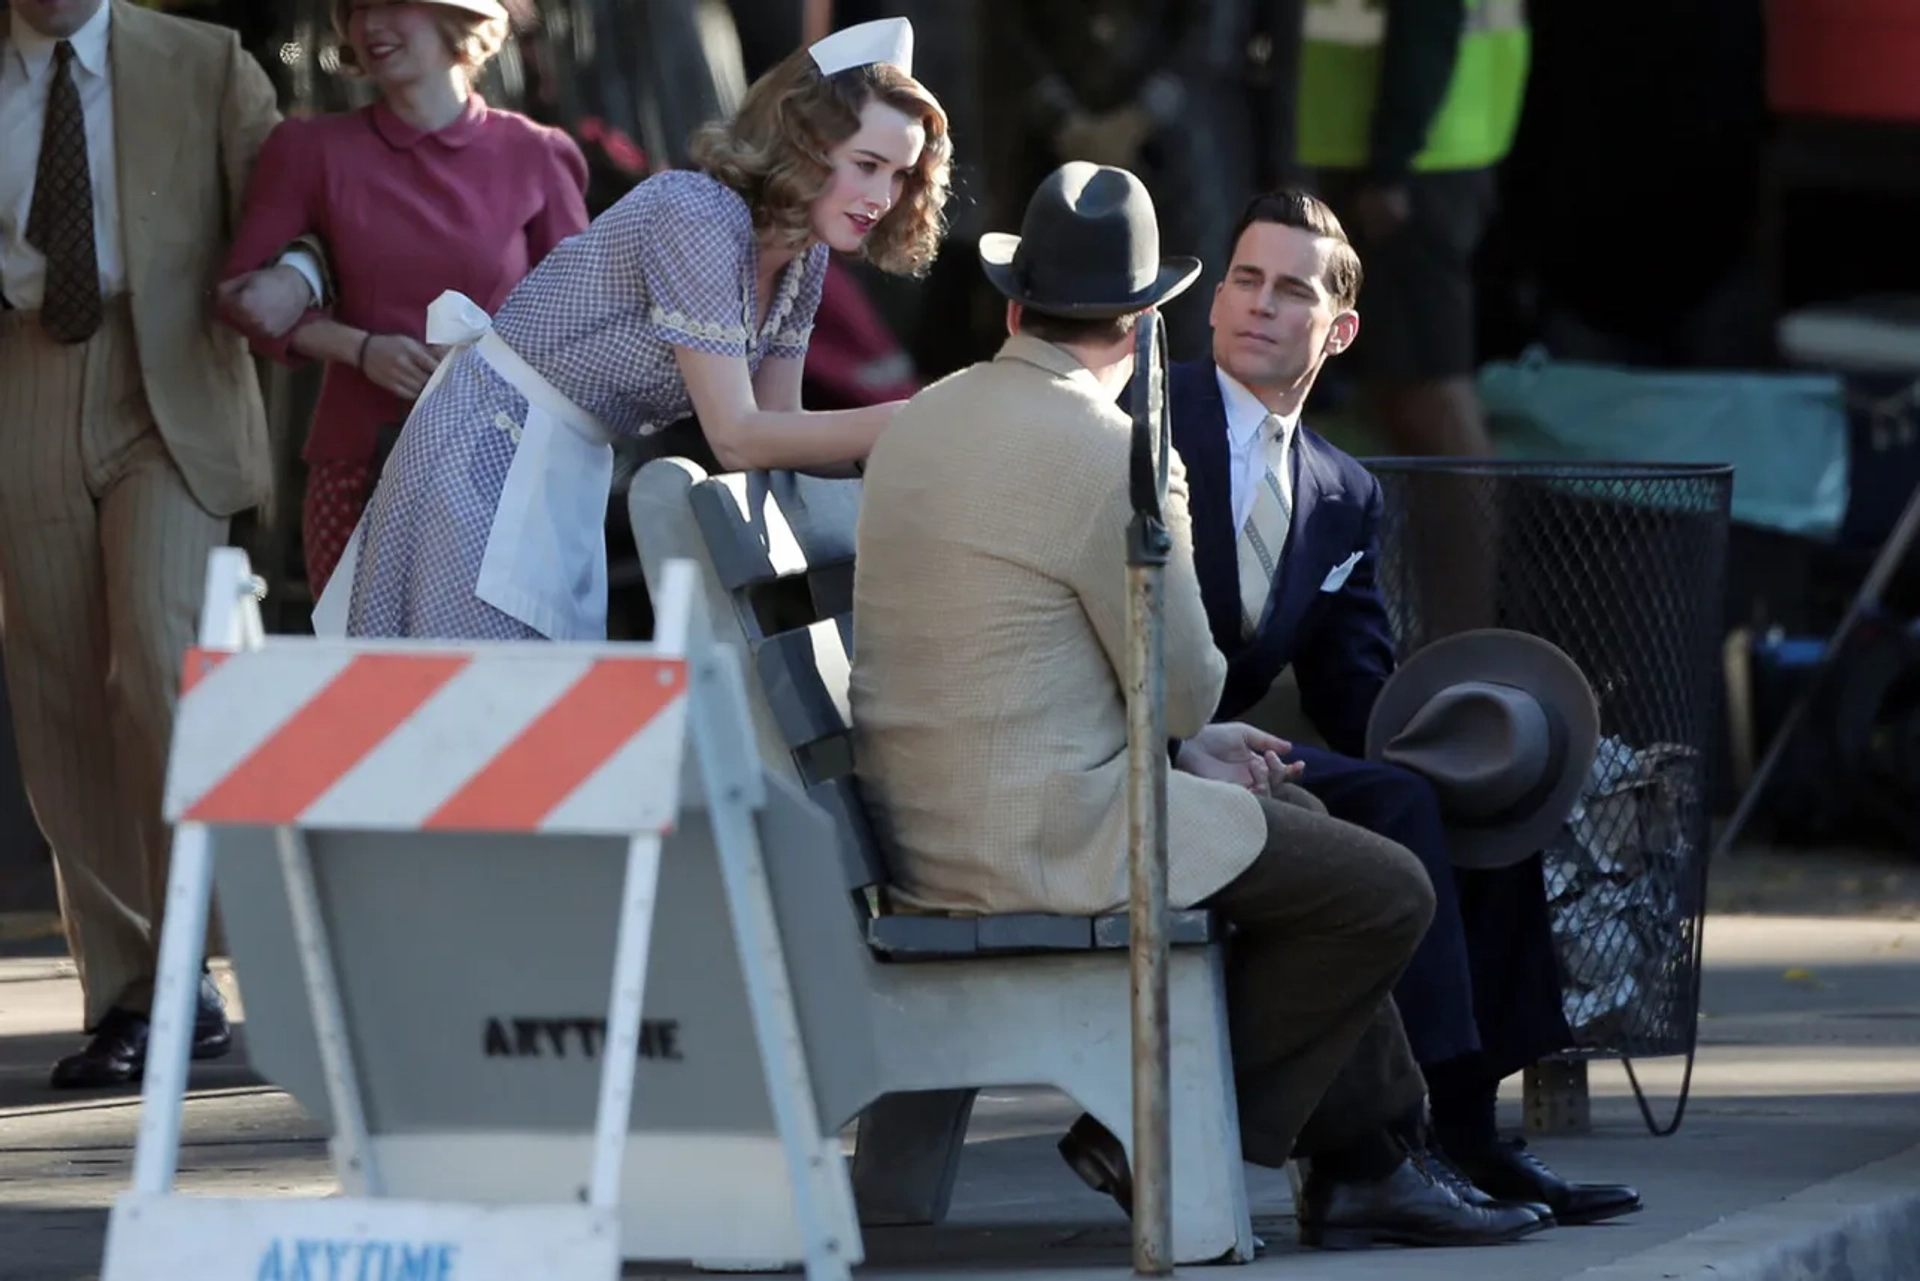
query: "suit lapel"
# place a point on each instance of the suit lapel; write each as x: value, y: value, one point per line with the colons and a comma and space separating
x: 1313, y: 476
x: 1200, y: 437
x: 147, y: 125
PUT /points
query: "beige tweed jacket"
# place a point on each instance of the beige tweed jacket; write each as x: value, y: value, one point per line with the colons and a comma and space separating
x: 990, y: 622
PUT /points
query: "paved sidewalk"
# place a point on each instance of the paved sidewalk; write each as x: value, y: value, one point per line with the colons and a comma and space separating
x: 1803, y: 1139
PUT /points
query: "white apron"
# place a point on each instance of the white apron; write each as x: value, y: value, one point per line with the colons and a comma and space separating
x: 546, y: 558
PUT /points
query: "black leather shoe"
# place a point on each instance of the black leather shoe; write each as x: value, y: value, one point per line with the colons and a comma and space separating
x: 1408, y: 1207
x: 212, y: 1034
x: 117, y: 1054
x: 1096, y: 1155
x: 1436, y: 1166
x: 1508, y: 1170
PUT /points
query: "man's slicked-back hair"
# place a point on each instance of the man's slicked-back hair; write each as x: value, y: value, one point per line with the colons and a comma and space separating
x: 1292, y: 207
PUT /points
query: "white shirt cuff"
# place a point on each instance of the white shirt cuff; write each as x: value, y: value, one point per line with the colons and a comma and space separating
x: 302, y: 261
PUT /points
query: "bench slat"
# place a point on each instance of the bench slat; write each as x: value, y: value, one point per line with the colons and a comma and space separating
x: 805, y: 674
x: 859, y: 850
x: 908, y: 937
x: 1033, y: 932
x: 763, y: 526
x: 1187, y: 927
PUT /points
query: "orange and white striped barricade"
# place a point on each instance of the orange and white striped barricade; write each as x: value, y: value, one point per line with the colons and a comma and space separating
x: 430, y: 857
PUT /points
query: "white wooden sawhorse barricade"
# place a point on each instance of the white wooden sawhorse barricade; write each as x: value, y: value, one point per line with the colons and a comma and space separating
x: 431, y: 859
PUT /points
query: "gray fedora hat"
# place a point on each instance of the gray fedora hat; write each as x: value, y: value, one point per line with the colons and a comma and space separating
x: 1089, y: 246
x: 1504, y: 726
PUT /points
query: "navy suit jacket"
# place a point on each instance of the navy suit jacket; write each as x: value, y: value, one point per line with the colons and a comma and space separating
x: 1340, y: 642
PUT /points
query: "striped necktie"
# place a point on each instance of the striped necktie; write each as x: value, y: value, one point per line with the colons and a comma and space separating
x: 60, y: 220
x: 1264, y: 536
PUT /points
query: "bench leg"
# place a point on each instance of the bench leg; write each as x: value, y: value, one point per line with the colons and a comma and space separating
x: 1211, y: 1220
x: 1211, y: 1223
x: 907, y: 1154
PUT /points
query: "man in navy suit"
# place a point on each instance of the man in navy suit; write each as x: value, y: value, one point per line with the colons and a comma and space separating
x: 1285, y: 542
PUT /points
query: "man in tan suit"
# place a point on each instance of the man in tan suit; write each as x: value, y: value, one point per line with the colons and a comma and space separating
x: 131, y: 430
x: 990, y: 729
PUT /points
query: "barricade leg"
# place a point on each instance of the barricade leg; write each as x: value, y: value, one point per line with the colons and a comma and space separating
x: 183, y: 935
x: 229, y: 619
x: 352, y: 1151
x: 729, y: 769
x: 632, y: 946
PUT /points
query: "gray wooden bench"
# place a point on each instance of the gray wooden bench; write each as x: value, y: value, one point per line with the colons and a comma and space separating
x: 962, y: 1002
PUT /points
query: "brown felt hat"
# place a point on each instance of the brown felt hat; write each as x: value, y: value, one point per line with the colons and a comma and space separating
x: 1504, y: 725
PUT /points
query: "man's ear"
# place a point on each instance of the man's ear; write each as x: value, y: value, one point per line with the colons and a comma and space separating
x: 1346, y: 327
x: 1013, y: 316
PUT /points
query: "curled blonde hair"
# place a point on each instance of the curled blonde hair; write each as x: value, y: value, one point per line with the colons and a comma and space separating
x: 774, y: 152
x: 470, y: 38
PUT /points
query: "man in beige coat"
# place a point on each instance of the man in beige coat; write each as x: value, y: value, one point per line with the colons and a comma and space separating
x: 131, y: 430
x: 990, y: 731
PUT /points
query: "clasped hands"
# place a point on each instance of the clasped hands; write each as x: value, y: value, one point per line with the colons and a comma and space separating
x: 1232, y: 752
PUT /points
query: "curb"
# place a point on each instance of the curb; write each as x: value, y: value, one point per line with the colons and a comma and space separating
x: 1860, y: 1226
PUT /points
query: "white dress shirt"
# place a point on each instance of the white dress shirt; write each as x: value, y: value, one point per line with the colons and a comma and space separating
x: 1245, y: 413
x: 26, y: 76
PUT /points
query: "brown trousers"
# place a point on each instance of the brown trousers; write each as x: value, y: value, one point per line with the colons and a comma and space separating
x: 103, y: 561
x: 1325, y: 919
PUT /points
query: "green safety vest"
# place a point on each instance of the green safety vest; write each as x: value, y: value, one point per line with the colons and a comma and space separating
x: 1340, y: 69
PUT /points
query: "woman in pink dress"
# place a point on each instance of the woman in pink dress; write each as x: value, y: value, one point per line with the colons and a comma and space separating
x: 424, y: 191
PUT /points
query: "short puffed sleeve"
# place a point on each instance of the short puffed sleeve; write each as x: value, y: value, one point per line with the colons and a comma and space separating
x: 695, y: 260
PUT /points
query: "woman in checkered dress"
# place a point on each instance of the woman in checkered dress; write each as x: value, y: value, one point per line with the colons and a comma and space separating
x: 694, y: 294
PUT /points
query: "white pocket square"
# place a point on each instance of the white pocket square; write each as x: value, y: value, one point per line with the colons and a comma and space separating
x: 1338, y: 577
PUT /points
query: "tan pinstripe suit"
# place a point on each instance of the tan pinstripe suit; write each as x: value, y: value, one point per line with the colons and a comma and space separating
x: 121, y: 460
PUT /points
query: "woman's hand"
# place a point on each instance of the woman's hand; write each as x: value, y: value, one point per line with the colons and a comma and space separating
x: 398, y: 364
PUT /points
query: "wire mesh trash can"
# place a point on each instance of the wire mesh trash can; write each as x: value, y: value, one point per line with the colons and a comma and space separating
x: 1622, y: 565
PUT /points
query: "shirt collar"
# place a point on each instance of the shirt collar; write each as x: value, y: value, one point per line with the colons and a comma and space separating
x: 89, y: 45
x: 1245, y: 412
x: 1051, y: 357
x: 405, y: 137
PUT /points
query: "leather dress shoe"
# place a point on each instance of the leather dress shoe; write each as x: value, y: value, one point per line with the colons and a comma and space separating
x: 117, y: 1054
x: 1508, y: 1170
x: 1096, y: 1154
x: 1436, y: 1166
x: 1408, y: 1207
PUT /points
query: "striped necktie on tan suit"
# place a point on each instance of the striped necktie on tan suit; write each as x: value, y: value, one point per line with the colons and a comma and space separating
x: 1263, y: 537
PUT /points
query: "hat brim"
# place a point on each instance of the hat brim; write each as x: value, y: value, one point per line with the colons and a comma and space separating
x: 1510, y: 658
x: 997, y: 249
x: 478, y: 8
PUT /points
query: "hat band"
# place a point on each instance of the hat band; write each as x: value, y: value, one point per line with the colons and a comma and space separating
x: 1049, y: 281
x: 1543, y: 788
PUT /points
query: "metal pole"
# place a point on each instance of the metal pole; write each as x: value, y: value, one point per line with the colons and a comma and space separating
x: 1148, y: 546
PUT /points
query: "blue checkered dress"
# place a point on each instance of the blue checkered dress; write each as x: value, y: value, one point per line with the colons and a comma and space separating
x: 671, y: 265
